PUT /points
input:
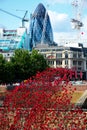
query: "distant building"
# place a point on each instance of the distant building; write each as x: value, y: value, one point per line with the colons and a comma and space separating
x: 11, y: 40
x: 40, y: 31
x: 66, y: 57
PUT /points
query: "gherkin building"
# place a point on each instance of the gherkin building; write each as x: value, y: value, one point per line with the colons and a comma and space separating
x: 40, y: 30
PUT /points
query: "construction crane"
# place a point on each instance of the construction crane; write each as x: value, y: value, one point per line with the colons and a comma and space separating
x: 76, y: 21
x: 23, y: 19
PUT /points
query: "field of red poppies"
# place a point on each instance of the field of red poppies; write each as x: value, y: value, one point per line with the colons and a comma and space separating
x: 43, y: 102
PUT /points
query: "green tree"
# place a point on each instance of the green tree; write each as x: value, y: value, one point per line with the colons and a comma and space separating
x: 8, y: 72
x: 38, y: 62
x: 2, y: 68
x: 21, y: 62
x: 26, y: 64
x: 22, y: 65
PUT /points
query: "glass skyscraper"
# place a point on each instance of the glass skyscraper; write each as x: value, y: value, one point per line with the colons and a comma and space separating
x: 40, y: 30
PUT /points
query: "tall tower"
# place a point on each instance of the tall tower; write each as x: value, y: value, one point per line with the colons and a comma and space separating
x: 40, y: 27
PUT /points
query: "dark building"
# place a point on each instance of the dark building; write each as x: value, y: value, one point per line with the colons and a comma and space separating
x: 40, y: 30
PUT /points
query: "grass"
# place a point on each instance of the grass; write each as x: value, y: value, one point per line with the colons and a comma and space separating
x: 2, y: 90
x: 76, y: 95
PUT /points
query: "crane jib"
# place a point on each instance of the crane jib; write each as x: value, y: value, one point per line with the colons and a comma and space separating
x: 23, y: 19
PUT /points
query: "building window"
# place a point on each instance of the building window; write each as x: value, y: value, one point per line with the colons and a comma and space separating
x: 79, y: 55
x: 66, y: 62
x: 59, y: 62
x: 51, y: 62
x: 86, y: 64
x: 74, y: 55
x: 66, y: 55
x: 80, y: 63
x: 8, y: 54
x: 53, y: 50
x: 59, y: 55
x: 74, y: 62
x: 79, y: 68
x: 85, y: 53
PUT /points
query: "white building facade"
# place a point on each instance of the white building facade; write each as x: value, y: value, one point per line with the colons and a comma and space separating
x: 66, y: 57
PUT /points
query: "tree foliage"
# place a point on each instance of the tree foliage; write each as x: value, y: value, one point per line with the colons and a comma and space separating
x: 38, y: 62
x: 2, y: 68
x: 21, y: 66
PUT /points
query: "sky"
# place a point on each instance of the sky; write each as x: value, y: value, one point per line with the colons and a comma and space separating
x: 60, y: 11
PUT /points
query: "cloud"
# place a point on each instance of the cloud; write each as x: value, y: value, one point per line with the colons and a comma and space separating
x: 59, y: 21
x: 61, y: 25
x: 63, y: 37
x: 68, y: 2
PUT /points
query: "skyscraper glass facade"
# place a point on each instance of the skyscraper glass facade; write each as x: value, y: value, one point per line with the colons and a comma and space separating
x: 40, y: 30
